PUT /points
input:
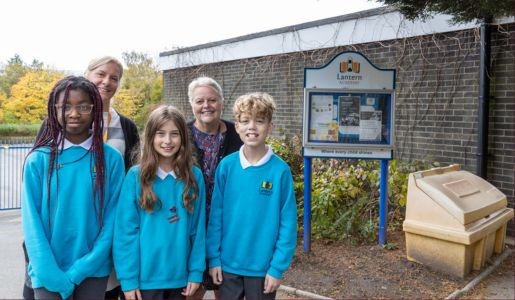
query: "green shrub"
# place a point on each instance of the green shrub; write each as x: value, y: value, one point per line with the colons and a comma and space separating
x: 345, y: 192
x: 290, y: 150
x: 19, y: 130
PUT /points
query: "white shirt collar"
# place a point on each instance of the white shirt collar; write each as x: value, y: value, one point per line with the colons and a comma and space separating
x: 245, y: 163
x: 162, y: 174
x: 86, y: 144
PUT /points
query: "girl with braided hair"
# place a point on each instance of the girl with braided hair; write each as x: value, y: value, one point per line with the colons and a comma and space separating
x: 71, y: 183
x: 118, y: 131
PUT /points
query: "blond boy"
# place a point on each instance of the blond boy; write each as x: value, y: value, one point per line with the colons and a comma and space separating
x: 252, y: 229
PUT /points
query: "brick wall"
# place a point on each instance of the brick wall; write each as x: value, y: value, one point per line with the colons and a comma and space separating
x: 436, y: 94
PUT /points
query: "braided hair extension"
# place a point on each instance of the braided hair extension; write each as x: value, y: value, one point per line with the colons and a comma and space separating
x: 53, y: 134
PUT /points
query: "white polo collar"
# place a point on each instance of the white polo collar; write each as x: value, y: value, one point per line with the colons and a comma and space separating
x: 162, y: 174
x: 245, y: 163
x: 86, y: 144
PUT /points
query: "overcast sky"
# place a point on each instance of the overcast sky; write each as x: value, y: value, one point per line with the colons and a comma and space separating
x: 67, y: 34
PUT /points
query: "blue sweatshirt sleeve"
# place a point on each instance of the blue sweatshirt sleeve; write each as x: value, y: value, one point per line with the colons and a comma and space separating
x: 101, y: 250
x: 43, y: 266
x: 197, y: 259
x: 126, y: 249
x: 214, y: 229
x: 287, y: 239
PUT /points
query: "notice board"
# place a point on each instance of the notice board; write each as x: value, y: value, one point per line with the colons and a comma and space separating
x: 349, y: 109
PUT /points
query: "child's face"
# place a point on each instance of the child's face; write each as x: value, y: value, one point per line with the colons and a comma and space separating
x: 167, y: 141
x: 78, y: 115
x: 253, y: 130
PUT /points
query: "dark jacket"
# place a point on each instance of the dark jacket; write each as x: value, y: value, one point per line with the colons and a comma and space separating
x: 131, y: 137
x: 232, y: 142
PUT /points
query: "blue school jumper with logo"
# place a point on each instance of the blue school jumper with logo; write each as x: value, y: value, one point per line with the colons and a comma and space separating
x: 166, y: 248
x: 252, y: 227
x: 63, y: 238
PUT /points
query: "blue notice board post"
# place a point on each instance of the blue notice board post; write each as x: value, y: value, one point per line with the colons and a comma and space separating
x: 349, y: 109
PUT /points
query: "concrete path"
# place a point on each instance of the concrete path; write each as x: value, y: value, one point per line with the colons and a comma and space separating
x: 12, y: 263
x: 502, y: 289
x: 501, y: 284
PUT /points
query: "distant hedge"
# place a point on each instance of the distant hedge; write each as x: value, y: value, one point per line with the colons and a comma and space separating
x: 11, y: 130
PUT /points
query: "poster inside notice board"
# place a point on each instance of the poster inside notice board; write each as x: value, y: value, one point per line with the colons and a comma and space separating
x: 347, y: 118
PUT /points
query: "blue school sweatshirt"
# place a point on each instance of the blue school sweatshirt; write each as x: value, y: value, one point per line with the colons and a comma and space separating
x: 63, y: 238
x: 166, y: 248
x: 252, y: 227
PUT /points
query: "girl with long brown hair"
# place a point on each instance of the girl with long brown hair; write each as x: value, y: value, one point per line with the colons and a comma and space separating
x: 159, y: 243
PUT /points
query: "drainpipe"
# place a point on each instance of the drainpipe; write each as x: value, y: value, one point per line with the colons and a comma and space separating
x: 483, y: 101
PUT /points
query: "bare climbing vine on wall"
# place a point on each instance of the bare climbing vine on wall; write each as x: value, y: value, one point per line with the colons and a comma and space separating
x: 437, y: 75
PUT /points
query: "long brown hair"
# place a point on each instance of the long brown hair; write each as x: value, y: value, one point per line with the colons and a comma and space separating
x: 183, y: 160
x: 52, y: 134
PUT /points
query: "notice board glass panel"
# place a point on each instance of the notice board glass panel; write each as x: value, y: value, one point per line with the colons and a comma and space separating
x: 348, y: 118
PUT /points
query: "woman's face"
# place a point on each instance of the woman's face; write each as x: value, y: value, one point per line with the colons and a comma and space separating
x: 106, y: 78
x: 206, y: 105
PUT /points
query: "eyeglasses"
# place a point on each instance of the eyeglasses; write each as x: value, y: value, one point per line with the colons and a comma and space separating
x: 81, y: 108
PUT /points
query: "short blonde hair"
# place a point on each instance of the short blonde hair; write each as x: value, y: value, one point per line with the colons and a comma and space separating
x: 260, y: 104
x: 100, y: 61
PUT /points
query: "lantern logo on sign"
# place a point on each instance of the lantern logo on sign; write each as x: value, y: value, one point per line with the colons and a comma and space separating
x: 349, y: 66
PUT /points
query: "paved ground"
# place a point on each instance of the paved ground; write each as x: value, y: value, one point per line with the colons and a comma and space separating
x: 11, y: 255
x: 502, y: 289
x: 499, y: 285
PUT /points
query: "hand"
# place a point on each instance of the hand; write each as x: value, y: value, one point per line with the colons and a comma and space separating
x: 133, y: 295
x: 216, y: 275
x: 271, y: 284
x: 190, y: 289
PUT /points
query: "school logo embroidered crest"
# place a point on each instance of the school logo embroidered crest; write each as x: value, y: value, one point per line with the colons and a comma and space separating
x: 266, y: 185
x: 174, y: 217
x: 266, y: 188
